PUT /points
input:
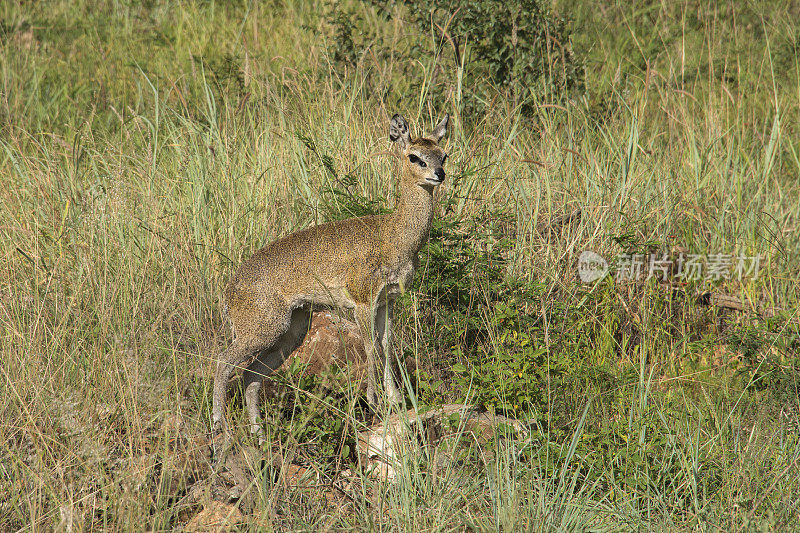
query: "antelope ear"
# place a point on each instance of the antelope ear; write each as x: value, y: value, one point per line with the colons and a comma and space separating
x: 399, y: 132
x: 440, y: 130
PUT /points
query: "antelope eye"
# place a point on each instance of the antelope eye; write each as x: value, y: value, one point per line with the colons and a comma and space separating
x: 414, y: 159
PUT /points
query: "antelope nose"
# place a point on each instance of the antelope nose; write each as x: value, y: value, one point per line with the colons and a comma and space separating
x: 440, y: 173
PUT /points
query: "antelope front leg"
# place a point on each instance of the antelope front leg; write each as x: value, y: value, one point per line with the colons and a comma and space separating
x: 365, y: 319
x: 376, y: 329
x: 383, y: 329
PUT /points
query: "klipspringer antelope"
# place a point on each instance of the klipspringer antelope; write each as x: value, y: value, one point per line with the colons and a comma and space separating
x: 360, y: 264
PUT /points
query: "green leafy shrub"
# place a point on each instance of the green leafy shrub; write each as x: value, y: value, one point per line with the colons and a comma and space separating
x: 485, y: 340
x: 519, y: 48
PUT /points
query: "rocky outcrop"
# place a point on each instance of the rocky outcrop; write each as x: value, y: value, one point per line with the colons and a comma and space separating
x: 383, y: 445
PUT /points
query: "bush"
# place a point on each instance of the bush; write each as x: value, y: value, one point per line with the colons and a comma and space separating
x: 518, y: 48
x: 483, y: 339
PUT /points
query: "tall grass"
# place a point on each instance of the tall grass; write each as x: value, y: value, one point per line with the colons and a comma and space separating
x: 146, y: 150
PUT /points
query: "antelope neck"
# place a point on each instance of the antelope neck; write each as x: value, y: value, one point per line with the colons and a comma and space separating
x: 411, y: 220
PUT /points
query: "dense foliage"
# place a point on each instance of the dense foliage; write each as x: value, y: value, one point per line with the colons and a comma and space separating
x: 519, y: 49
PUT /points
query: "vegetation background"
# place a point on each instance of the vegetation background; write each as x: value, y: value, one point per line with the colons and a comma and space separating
x: 147, y: 148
